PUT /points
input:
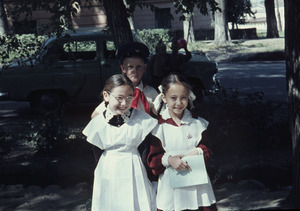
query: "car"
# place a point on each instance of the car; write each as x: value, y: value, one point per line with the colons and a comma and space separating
x: 74, y: 67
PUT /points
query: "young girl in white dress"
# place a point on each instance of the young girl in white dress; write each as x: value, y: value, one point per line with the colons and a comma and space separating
x: 120, y: 178
x: 177, y: 135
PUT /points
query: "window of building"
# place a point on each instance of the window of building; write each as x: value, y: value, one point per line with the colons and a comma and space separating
x: 163, y: 18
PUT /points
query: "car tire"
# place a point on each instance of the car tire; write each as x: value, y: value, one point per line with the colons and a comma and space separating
x: 47, y: 103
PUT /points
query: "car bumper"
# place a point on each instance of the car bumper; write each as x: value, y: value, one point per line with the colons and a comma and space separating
x: 3, y: 96
x: 215, y: 87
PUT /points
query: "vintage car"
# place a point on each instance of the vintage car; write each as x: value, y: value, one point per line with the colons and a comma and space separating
x: 73, y: 69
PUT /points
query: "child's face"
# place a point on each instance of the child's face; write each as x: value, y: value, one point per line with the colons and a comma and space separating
x: 119, y: 99
x: 134, y: 69
x: 177, y: 98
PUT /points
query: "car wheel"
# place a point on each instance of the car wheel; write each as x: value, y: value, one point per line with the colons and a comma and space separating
x: 45, y: 103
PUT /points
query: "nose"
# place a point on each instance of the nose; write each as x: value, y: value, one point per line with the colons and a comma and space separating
x: 178, y: 101
x: 123, y: 103
x: 133, y: 69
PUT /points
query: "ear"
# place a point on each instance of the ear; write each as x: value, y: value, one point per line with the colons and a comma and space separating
x: 105, y: 96
x: 163, y: 98
x: 145, y: 67
x: 123, y: 69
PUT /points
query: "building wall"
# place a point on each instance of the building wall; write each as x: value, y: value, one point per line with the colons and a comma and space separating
x: 144, y: 18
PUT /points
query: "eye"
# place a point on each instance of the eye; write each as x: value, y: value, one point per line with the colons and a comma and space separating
x: 129, y: 99
x: 139, y: 68
x: 130, y: 67
x: 173, y: 98
x: 120, y: 98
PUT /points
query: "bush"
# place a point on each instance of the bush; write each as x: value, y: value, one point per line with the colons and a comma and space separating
x: 19, y: 46
x: 204, y: 34
x: 244, y: 123
x: 50, y: 135
x: 152, y: 36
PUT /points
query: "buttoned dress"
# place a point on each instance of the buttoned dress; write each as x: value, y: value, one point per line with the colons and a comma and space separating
x: 120, y: 179
x: 179, y: 140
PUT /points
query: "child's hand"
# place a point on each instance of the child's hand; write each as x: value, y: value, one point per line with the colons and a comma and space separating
x: 177, y: 163
x: 193, y: 152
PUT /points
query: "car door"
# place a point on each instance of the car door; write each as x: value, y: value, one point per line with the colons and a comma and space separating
x: 77, y: 69
x: 109, y: 64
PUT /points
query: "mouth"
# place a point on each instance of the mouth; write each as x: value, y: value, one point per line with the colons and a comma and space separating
x: 178, y: 109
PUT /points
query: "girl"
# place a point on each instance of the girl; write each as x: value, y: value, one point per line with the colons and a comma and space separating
x: 120, y: 179
x: 178, y: 135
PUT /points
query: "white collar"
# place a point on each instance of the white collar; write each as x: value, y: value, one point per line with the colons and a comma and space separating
x: 186, y: 118
x: 140, y: 86
x: 109, y: 115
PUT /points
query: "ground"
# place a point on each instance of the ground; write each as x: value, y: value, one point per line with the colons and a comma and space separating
x: 252, y: 180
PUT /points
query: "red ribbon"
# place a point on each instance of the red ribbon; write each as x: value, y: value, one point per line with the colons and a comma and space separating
x: 136, y: 95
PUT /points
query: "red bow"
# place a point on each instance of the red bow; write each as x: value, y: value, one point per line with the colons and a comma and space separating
x: 136, y: 95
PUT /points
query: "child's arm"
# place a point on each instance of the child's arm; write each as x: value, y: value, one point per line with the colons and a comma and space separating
x: 154, y: 158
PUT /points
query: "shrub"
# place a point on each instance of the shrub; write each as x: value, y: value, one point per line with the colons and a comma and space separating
x: 152, y: 36
x: 49, y: 134
x: 244, y: 123
x: 19, y: 46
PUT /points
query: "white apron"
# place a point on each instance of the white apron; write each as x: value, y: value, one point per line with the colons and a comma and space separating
x: 175, y: 141
x: 120, y: 179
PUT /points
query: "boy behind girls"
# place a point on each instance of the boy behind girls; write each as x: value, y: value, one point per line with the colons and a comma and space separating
x: 133, y: 63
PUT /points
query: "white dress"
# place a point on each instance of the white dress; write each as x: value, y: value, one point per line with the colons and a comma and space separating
x: 175, y: 141
x: 120, y: 179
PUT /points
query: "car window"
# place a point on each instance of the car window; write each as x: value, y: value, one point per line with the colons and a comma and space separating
x: 77, y: 51
x: 109, y: 49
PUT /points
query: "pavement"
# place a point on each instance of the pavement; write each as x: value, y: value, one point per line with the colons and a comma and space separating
x: 221, y: 56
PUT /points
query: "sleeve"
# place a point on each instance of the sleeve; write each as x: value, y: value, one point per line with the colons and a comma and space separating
x: 148, y: 123
x: 203, y: 149
x: 207, y: 153
x: 186, y: 57
x: 92, y: 133
x: 154, y: 158
x: 100, y: 108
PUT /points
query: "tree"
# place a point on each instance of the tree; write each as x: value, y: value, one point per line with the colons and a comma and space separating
x: 187, y: 8
x: 118, y: 24
x: 272, y: 30
x: 237, y: 11
x: 292, y: 50
x: 3, y: 19
x: 188, y: 27
x: 222, y: 36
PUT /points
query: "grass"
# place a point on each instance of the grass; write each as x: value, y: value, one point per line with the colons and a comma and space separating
x: 241, y: 46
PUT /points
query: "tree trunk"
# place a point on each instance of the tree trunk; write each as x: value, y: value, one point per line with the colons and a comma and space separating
x: 292, y: 50
x: 118, y: 21
x: 3, y: 19
x: 188, y: 28
x: 222, y: 36
x: 272, y: 30
x: 278, y: 17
